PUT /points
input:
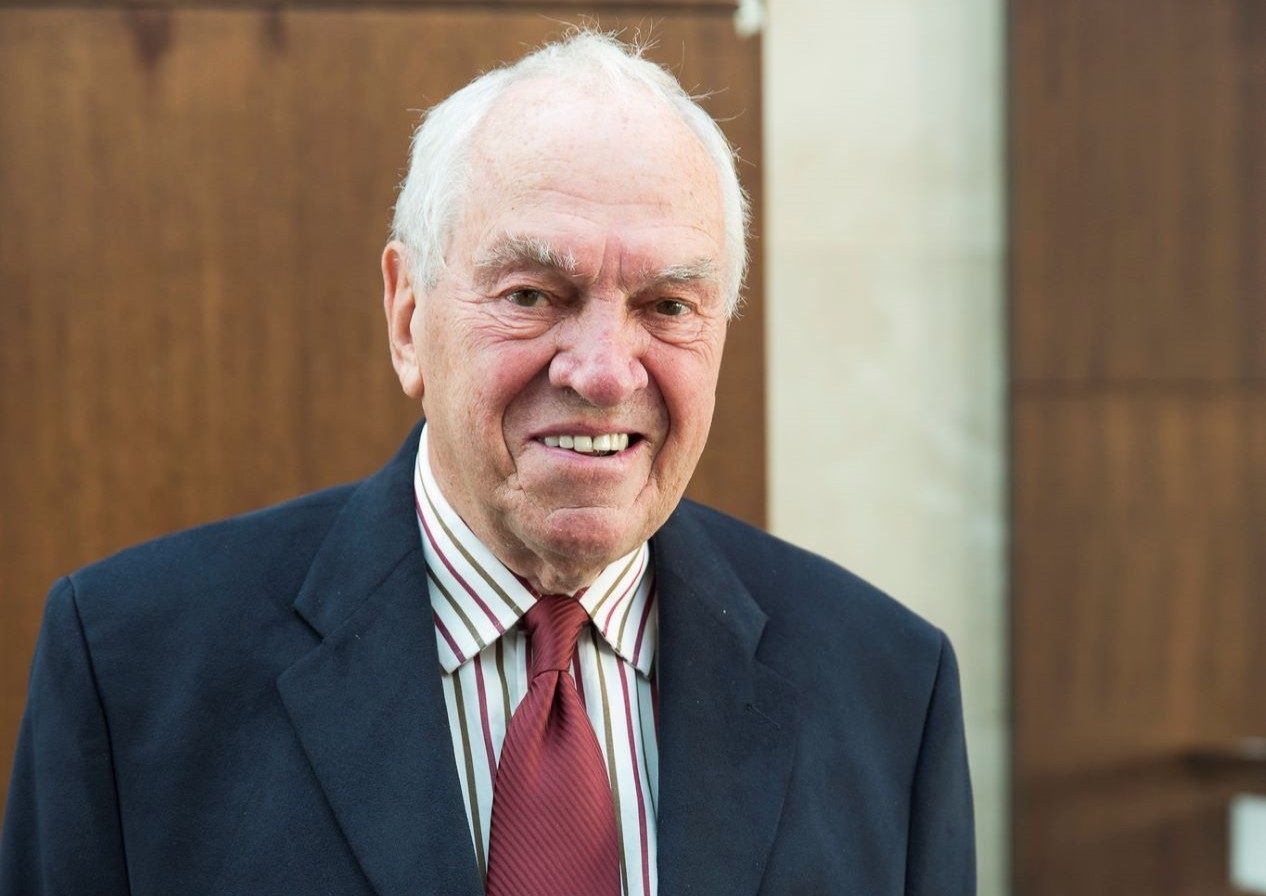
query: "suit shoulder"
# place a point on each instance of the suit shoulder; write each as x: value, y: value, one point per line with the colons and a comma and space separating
x: 848, y: 649
x: 275, y: 542
x: 792, y: 583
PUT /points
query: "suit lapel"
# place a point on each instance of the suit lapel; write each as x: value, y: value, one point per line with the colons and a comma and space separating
x: 367, y: 704
x: 727, y: 724
x: 368, y: 707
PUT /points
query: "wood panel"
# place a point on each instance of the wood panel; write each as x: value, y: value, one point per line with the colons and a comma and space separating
x: 1251, y: 219
x: 1157, y: 826
x: 1139, y: 573
x: 1130, y: 139
x: 192, y: 206
x: 1138, y: 157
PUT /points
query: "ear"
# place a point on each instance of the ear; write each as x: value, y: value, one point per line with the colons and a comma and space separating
x: 400, y: 304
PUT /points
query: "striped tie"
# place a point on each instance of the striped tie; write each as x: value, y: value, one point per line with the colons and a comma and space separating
x: 553, y: 823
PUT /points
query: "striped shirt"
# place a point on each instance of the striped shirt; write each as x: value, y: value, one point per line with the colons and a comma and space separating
x: 477, y: 603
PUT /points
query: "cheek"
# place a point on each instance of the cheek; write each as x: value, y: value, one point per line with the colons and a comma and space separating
x: 494, y: 382
x: 450, y: 364
x: 688, y: 385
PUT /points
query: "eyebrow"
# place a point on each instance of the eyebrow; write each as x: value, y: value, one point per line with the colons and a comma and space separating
x: 691, y: 272
x: 515, y: 252
x: 519, y: 252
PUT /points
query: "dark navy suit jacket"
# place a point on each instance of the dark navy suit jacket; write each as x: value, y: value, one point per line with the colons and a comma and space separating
x: 254, y: 707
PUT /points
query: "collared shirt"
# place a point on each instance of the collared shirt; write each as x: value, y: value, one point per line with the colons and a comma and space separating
x: 477, y: 603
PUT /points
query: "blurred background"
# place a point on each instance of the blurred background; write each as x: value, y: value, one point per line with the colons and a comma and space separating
x: 1003, y: 353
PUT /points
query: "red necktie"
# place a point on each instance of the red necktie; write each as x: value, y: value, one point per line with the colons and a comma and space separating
x: 553, y: 824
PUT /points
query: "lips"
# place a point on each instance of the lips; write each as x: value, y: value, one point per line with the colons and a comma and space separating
x: 602, y: 445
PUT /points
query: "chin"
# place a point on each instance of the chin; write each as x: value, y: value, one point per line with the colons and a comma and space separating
x: 591, y: 538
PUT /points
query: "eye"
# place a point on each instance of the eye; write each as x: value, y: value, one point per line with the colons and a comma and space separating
x: 671, y: 307
x: 528, y: 298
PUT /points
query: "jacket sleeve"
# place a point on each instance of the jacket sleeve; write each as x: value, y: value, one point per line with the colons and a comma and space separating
x: 941, y: 857
x: 61, y: 825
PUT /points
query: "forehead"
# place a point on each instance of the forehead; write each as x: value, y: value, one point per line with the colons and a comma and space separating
x: 593, y: 154
x: 577, y: 114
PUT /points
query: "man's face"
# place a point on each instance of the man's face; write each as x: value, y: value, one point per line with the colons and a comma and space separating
x: 568, y: 355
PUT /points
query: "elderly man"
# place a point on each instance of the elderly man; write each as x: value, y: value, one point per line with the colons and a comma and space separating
x: 514, y: 661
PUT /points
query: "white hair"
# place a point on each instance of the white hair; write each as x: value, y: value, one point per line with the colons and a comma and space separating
x: 439, y: 175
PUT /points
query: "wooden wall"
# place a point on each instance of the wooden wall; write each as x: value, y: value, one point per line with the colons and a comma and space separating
x: 1138, y: 356
x: 193, y: 200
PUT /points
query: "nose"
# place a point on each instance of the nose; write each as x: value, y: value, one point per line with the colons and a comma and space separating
x: 600, y: 354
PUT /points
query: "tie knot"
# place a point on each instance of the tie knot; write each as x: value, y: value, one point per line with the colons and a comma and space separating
x: 554, y: 623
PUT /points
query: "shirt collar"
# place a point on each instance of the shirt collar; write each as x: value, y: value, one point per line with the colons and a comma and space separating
x: 476, y: 599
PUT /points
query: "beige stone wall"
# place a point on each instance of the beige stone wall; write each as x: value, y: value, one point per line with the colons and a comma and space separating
x: 885, y: 248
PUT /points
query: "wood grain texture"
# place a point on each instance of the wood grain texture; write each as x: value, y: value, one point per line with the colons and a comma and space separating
x: 1138, y: 158
x: 1251, y: 217
x: 192, y: 206
x: 1139, y: 524
x: 1153, y: 827
x: 1127, y: 166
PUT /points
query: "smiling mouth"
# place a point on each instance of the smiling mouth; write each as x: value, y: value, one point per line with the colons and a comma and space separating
x: 601, y: 446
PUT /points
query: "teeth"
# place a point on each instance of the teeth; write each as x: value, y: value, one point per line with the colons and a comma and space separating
x: 603, y: 444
